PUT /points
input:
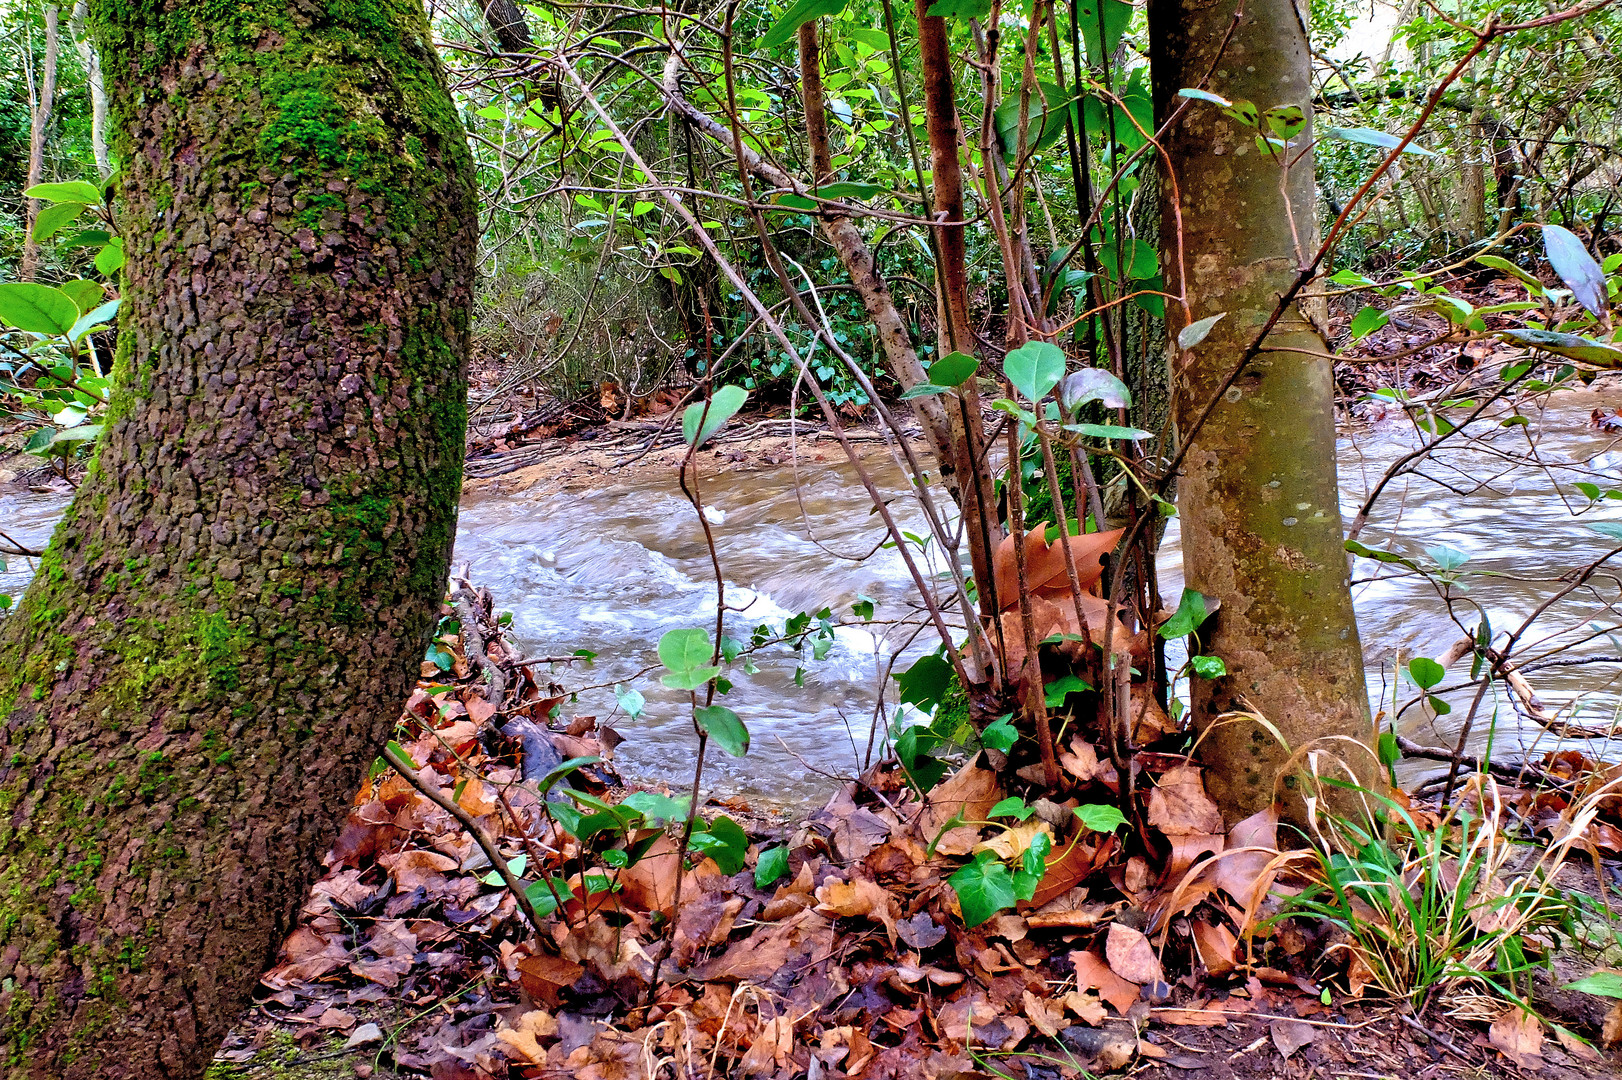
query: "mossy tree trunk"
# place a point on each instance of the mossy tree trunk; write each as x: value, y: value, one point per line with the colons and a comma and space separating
x: 1257, y: 497
x: 228, y: 618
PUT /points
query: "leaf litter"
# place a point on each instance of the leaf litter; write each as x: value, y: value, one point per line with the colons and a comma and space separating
x: 411, y: 956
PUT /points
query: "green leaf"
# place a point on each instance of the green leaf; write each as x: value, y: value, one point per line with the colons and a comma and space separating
x: 1196, y: 94
x: 798, y: 14
x: 1013, y: 807
x: 562, y: 769
x: 999, y: 734
x: 724, y: 842
x: 82, y: 433
x: 1367, y: 321
x: 39, y: 442
x: 544, y: 897
x: 1056, y: 691
x: 983, y: 888
x: 963, y: 10
x: 73, y: 191
x: 1571, y: 346
x: 1108, y: 431
x: 100, y: 316
x: 1575, y: 266
x: 924, y: 389
x: 1425, y: 672
x: 1612, y: 529
x: 631, y: 701
x: 1192, y: 610
x: 691, y: 679
x: 1100, y: 817
x: 1285, y: 121
x: 1591, y: 490
x: 724, y: 727
x: 1498, y: 263
x: 1045, y: 113
x: 772, y: 864
x: 85, y: 294
x: 722, y: 404
x: 1093, y: 384
x: 685, y: 649
x: 39, y: 309
x: 1371, y: 137
x: 1447, y: 558
x: 926, y: 683
x: 1195, y: 332
x: 1035, y: 368
x: 53, y: 219
x: 1208, y: 667
x: 1600, y: 983
x: 792, y: 201
x: 953, y: 369
x: 1102, y: 24
x: 1036, y: 855
x: 1390, y: 753
x: 656, y: 807
x: 850, y: 190
x: 85, y: 238
x: 110, y: 259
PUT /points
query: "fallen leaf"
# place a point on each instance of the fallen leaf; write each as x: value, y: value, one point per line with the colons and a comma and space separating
x: 1131, y: 956
x: 1217, y: 947
x: 1045, y: 1016
x: 522, y: 1039
x: 781, y: 948
x: 920, y: 931
x: 853, y: 899
x: 1011, y: 843
x: 1576, y: 1047
x: 1291, y: 1035
x: 363, y: 1036
x: 1092, y: 973
x: 1611, y: 1032
x: 544, y: 977
x: 1178, y: 806
x: 969, y: 794
x: 1518, y: 1034
x: 1088, y: 1009
x: 1191, y: 1017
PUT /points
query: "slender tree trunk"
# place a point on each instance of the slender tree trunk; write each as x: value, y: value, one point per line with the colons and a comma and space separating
x: 1257, y: 498
x: 98, y: 87
x: 36, y: 139
x: 507, y: 22
x: 816, y: 112
x: 228, y: 617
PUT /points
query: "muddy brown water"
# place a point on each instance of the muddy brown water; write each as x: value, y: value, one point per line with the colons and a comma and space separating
x: 610, y: 569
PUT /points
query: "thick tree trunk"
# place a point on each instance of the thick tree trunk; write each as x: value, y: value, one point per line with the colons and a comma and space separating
x: 1257, y: 498
x: 38, y: 127
x: 226, y: 621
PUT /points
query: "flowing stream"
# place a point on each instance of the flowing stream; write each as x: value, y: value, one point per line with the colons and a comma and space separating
x: 610, y: 569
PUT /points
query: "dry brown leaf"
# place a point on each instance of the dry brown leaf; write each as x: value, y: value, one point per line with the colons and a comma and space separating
x: 544, y: 977
x: 1045, y: 563
x: 417, y: 868
x: 1011, y: 843
x: 1057, y: 615
x: 1576, y: 1047
x: 1291, y: 1035
x: 522, y: 1039
x: 1088, y: 1009
x: 1611, y: 1032
x: 1149, y: 720
x: 478, y: 708
x: 1518, y: 1034
x: 1178, y: 806
x: 784, y: 946
x: 790, y: 897
x: 1045, y: 1016
x: 1191, y: 1017
x: 1092, y: 973
x: 969, y: 793
x: 771, y: 1048
x: 1131, y: 956
x: 1073, y: 918
x: 853, y: 899
x: 1243, y: 875
x: 1217, y: 947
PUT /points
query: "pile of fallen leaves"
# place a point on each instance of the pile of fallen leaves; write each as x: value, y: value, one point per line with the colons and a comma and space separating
x: 844, y: 953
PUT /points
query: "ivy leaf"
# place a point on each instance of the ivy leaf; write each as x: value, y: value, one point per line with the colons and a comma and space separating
x: 999, y: 735
x: 1100, y: 817
x: 797, y: 16
x: 772, y: 864
x: 983, y: 888
x: 926, y: 682
x: 1013, y: 807
x: 1208, y: 667
x: 1061, y: 688
x: 1576, y: 267
x: 1192, y: 610
x: 724, y: 727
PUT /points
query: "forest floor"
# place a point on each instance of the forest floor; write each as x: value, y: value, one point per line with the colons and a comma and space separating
x: 835, y: 947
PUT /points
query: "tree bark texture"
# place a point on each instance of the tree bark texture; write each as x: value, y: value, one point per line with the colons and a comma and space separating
x: 91, y: 59
x: 1257, y: 498
x: 227, y: 619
